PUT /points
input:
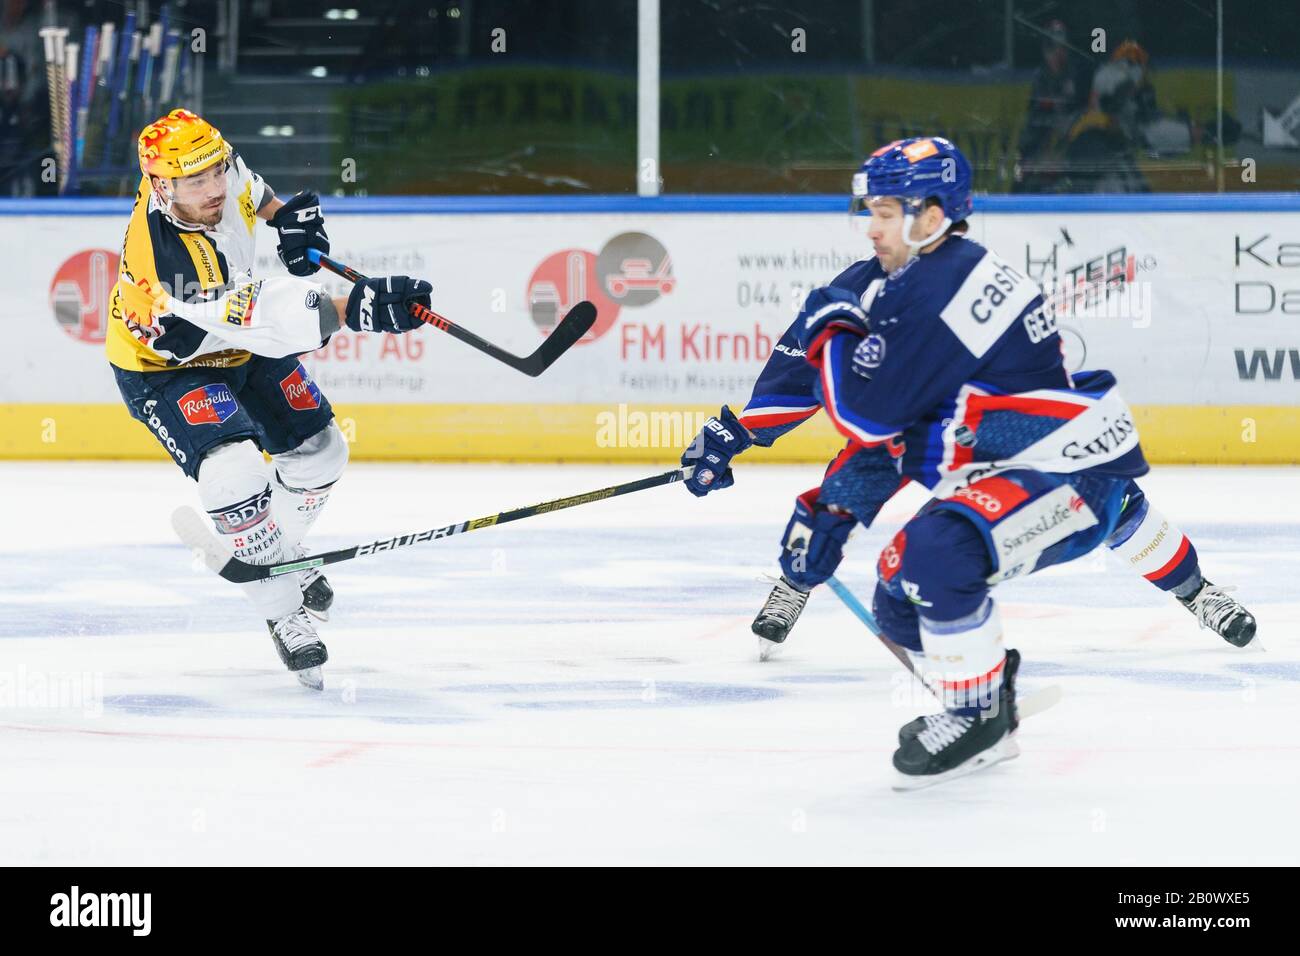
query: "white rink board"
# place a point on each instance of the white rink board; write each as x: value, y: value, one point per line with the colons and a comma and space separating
x: 582, y: 688
x: 1203, y: 286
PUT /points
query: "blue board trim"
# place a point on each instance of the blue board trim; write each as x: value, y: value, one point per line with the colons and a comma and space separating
x: 693, y: 203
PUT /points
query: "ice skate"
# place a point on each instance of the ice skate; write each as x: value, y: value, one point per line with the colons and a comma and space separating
x: 1222, y: 614
x: 946, y: 746
x: 317, y: 595
x: 300, y: 648
x: 778, y: 616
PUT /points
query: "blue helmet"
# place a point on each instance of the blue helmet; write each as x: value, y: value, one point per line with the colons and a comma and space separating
x: 912, y: 171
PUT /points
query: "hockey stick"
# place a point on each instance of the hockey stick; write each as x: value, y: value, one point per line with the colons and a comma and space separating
x: 197, y: 535
x: 1027, y: 706
x: 572, y: 327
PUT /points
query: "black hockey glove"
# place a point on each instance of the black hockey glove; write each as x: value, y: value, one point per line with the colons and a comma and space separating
x: 301, y: 226
x: 381, y: 305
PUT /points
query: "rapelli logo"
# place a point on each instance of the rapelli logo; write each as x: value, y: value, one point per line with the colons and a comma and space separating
x: 300, y: 391
x: 208, y: 405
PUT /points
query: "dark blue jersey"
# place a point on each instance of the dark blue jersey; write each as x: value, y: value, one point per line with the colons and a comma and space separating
x: 962, y: 363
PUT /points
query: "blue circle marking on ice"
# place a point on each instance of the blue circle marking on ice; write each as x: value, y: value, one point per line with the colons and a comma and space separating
x: 820, y: 679
x: 618, y: 694
x: 1191, y: 680
x: 1281, y: 670
x: 157, y: 705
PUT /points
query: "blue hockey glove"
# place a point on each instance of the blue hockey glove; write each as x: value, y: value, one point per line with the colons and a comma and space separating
x: 813, y: 544
x: 721, y: 438
x: 301, y: 226
x: 826, y: 312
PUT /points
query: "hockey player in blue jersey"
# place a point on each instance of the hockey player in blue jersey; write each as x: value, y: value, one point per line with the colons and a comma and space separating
x: 940, y: 364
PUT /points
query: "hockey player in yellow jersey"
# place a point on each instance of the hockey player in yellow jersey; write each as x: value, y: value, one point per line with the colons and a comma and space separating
x: 206, y: 356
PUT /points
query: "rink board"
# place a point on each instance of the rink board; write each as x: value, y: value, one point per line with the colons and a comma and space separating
x: 1191, y: 301
x: 559, y: 433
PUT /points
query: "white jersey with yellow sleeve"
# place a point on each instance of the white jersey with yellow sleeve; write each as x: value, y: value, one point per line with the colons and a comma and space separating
x: 186, y: 295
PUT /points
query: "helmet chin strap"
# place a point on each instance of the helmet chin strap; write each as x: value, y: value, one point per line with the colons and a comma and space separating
x: 915, y: 246
x: 165, y: 190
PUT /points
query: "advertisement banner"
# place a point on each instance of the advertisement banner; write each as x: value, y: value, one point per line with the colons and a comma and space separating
x: 1192, y: 311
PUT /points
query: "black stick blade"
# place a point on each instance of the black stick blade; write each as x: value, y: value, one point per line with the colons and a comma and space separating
x: 575, y: 324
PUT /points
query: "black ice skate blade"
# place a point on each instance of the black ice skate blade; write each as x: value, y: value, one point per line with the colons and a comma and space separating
x: 1004, y: 749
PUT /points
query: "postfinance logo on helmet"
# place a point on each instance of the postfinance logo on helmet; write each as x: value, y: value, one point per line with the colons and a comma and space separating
x: 912, y: 171
x: 180, y: 144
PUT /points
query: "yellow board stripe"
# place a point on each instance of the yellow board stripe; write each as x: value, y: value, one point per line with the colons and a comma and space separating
x: 1234, y: 434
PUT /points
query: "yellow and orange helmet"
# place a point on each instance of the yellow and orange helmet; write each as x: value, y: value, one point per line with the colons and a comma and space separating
x: 1131, y: 51
x: 180, y: 144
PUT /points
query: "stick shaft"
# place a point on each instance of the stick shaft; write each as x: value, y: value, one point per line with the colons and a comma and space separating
x: 194, y: 532
x: 866, y: 617
x: 571, y: 328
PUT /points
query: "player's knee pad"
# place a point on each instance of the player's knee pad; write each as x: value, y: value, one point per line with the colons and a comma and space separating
x: 231, y: 473
x: 963, y: 657
x: 304, y: 477
x: 236, y: 492
x: 944, y: 565
x: 896, y: 617
x: 234, y: 489
x: 315, y: 464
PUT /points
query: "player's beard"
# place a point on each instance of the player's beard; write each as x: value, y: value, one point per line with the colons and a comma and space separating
x: 197, y: 216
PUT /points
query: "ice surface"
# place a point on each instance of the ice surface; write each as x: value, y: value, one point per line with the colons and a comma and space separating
x: 582, y: 687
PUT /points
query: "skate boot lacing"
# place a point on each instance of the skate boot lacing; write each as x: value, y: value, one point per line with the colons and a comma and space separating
x: 943, y: 730
x: 1214, y: 608
x: 785, y: 602
x: 295, y: 631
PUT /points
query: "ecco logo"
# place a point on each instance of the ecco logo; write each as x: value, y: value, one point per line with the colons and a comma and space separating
x: 981, y: 499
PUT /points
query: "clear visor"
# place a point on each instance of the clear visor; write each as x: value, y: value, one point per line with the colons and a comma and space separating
x: 861, y: 210
x: 201, y: 187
